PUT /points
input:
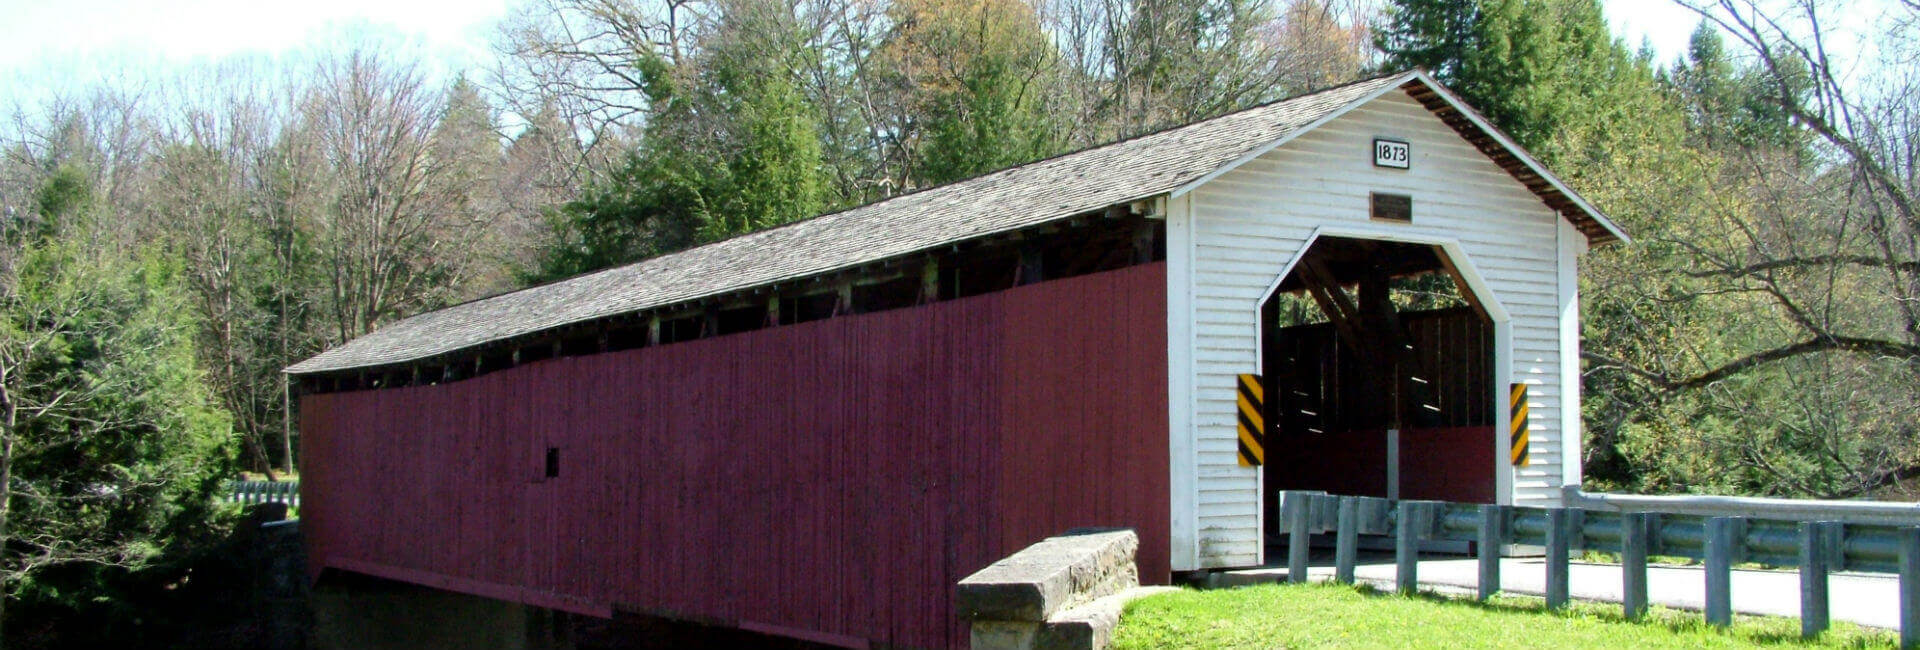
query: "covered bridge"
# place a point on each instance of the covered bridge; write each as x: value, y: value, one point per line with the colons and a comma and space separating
x: 817, y: 429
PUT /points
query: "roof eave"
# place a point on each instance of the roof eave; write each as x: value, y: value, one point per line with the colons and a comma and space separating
x: 1525, y: 157
x: 305, y: 368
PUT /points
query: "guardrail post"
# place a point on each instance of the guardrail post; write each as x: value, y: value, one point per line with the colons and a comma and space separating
x: 1814, y: 563
x: 1406, y: 548
x: 1720, y: 570
x: 1493, y: 534
x: 1633, y: 564
x: 1559, y: 544
x: 1346, y: 545
x: 1909, y: 587
x: 1299, y: 515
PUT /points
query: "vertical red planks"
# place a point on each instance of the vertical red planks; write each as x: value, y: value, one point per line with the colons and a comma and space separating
x: 837, y: 476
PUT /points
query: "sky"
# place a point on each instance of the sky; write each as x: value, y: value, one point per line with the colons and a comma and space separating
x: 78, y: 38
x: 75, y: 39
x: 1660, y: 23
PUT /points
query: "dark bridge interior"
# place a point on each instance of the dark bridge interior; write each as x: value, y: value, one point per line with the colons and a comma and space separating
x: 1378, y: 363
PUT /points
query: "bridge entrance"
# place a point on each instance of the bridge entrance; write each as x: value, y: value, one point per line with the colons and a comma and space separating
x: 1378, y: 367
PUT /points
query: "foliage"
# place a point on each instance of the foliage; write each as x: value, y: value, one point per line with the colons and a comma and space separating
x: 110, y: 445
x: 978, y: 74
x: 1330, y: 615
x: 1729, y: 349
x: 734, y: 148
x: 647, y: 207
x: 1530, y: 66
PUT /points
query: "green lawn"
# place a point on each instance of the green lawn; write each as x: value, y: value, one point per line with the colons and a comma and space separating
x: 1333, y: 616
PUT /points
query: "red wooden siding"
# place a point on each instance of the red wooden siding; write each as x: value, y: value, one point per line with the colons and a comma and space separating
x: 1448, y: 464
x: 836, y: 477
x: 1443, y: 464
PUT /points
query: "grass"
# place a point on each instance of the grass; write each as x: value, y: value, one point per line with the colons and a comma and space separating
x: 1327, y: 615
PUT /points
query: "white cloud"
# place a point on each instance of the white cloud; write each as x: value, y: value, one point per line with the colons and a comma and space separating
x: 1660, y: 23
x: 37, y: 36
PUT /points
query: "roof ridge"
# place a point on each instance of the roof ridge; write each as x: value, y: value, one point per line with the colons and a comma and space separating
x: 1002, y: 200
x: 930, y: 188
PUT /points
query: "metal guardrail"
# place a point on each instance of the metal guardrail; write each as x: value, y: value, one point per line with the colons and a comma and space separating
x: 250, y: 492
x: 1816, y: 547
x: 1853, y: 512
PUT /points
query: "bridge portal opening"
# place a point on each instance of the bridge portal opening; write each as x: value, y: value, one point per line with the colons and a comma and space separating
x: 1378, y: 369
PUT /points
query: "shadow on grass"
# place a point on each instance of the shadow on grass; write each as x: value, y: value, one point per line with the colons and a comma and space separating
x: 1761, y: 630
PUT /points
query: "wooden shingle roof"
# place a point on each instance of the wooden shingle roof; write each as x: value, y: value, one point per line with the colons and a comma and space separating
x: 999, y: 202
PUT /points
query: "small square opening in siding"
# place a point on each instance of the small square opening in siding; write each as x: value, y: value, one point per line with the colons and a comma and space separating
x: 1392, y: 207
x: 553, y: 462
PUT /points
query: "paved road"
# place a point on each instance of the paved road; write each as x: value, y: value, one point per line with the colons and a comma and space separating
x: 1864, y: 598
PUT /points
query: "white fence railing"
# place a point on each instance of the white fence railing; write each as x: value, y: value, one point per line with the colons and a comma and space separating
x: 249, y: 492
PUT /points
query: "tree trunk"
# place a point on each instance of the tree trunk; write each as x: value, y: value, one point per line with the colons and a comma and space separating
x: 11, y: 417
x: 286, y: 421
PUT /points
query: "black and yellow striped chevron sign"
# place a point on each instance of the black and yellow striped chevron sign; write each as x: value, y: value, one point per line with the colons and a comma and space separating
x: 1252, y: 400
x: 1518, y: 431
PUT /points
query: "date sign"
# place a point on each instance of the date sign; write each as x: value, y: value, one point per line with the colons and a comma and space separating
x: 1392, y: 153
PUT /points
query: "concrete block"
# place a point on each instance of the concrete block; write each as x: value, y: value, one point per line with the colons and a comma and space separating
x: 1090, y: 626
x: 1064, y: 593
x: 1005, y: 635
x: 1056, y: 574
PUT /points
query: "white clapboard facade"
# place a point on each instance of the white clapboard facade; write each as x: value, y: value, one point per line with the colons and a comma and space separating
x: 1233, y: 235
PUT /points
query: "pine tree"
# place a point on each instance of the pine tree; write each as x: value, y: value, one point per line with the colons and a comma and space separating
x: 110, y: 447
x: 1733, y: 106
x: 732, y: 145
x: 1433, y: 35
x: 978, y: 75
x: 770, y: 147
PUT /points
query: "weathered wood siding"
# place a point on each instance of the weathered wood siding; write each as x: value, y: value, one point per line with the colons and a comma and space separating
x: 1230, y: 238
x: 835, y: 477
x: 1439, y: 464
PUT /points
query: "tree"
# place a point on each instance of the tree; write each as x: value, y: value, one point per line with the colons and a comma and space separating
x: 1438, y: 36
x: 204, y: 194
x: 733, y: 147
x: 978, y: 74
x: 1818, y: 246
x: 1522, y: 63
x: 646, y: 208
x: 587, y: 64
x: 108, y: 443
x: 1320, y: 45
x: 466, y: 144
x: 393, y: 231
x: 769, y: 141
x: 1731, y: 106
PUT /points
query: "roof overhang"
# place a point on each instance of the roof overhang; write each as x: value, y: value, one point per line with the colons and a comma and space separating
x: 1475, y: 128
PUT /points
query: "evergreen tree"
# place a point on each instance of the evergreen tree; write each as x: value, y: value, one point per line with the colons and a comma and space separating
x: 770, y: 138
x: 110, y: 449
x: 732, y: 145
x: 1433, y: 35
x: 1507, y: 58
x: 978, y: 72
x: 1731, y: 106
